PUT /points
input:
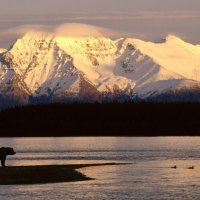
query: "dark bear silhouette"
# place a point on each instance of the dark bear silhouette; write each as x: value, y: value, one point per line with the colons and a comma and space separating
x: 4, y: 151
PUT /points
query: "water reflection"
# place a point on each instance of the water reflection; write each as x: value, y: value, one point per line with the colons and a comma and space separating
x: 150, y: 178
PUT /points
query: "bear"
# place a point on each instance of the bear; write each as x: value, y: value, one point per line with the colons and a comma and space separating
x: 4, y: 151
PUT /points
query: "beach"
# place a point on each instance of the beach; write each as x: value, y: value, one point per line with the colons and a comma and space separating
x: 45, y: 174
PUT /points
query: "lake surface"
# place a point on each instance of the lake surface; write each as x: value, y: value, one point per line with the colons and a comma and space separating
x: 150, y: 177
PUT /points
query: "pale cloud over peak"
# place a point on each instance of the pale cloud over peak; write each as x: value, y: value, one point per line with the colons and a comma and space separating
x: 149, y: 19
x: 83, y: 30
x: 8, y: 36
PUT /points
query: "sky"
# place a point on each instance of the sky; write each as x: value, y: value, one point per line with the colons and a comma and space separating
x: 144, y: 19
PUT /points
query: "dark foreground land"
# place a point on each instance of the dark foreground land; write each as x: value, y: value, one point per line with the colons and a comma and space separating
x: 45, y: 174
x: 175, y: 119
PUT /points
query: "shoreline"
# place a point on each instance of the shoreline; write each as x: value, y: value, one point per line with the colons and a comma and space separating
x: 42, y: 174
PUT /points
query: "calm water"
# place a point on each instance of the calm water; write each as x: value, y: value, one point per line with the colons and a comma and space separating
x: 150, y: 178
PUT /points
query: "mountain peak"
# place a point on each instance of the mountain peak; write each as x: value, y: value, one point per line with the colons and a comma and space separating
x: 173, y: 39
x: 31, y: 41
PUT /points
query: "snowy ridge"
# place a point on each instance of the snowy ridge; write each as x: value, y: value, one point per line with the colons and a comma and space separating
x: 43, y: 65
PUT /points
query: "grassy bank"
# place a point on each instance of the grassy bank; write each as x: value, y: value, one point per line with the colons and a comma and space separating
x: 45, y: 174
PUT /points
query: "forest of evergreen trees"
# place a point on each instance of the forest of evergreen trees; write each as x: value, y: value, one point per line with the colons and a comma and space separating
x: 128, y: 119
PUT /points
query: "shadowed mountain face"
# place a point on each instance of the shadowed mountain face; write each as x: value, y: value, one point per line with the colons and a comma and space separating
x: 41, y: 68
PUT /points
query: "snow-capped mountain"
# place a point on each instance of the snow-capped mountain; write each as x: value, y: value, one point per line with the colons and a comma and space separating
x: 40, y: 66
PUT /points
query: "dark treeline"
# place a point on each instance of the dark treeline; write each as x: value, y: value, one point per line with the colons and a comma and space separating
x: 128, y: 119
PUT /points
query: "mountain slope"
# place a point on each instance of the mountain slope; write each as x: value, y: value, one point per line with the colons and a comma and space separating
x: 175, y: 55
